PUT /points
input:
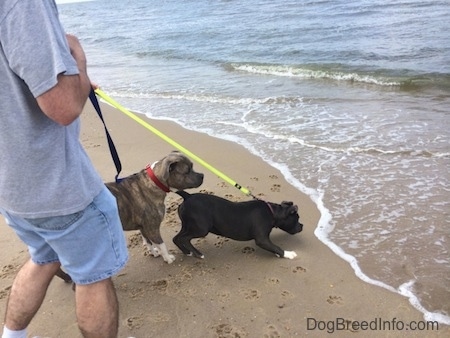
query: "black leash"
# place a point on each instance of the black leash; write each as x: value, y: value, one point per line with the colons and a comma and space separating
x: 112, y: 148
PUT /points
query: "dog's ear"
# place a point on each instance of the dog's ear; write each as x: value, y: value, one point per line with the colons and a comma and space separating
x: 172, y: 161
x: 168, y: 165
x: 172, y: 166
x: 291, y: 208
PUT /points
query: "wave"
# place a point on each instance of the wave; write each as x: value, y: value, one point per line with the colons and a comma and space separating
x: 325, y: 227
x: 322, y: 231
x: 205, y: 97
x: 186, y: 96
x: 292, y: 139
x: 374, y: 151
x: 371, y: 150
x: 346, y: 150
x: 398, y: 79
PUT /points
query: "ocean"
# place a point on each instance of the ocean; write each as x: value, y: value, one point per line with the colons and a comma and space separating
x: 350, y: 100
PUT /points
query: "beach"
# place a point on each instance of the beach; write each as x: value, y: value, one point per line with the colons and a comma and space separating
x: 350, y: 107
x: 238, y: 289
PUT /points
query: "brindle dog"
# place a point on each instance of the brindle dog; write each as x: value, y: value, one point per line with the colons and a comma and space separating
x: 140, y: 198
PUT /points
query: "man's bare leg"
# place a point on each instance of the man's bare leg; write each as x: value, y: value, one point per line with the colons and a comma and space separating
x: 27, y: 293
x: 97, y: 309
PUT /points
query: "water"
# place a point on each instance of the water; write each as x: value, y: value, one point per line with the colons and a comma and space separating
x: 350, y: 100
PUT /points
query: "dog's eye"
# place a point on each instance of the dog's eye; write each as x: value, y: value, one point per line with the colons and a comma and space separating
x: 184, y: 169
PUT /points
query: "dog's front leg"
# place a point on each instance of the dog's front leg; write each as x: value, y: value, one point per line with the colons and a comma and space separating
x: 150, y: 247
x: 162, y: 248
x: 267, y: 244
x: 158, y: 250
x: 290, y: 254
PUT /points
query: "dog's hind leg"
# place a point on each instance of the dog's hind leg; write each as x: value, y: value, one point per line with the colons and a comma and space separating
x: 64, y: 276
x: 183, y: 241
x: 177, y: 240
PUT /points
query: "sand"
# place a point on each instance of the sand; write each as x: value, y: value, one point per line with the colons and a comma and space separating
x: 238, y: 289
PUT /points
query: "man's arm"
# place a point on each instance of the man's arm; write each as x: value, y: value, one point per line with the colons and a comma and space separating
x: 64, y: 102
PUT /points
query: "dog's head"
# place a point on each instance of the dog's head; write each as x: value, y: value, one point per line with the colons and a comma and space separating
x: 177, y: 171
x: 286, y: 218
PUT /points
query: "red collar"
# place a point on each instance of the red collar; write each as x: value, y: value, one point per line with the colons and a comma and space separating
x: 155, y: 179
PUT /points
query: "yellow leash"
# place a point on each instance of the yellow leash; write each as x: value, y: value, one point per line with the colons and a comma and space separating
x: 178, y: 146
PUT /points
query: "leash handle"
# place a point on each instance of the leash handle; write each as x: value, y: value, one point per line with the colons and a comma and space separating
x: 111, y: 145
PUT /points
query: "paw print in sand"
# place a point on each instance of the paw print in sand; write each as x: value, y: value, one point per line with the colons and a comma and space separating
x: 274, y: 280
x: 335, y: 300
x: 275, y: 188
x: 251, y: 294
x: 134, y: 322
x: 247, y: 250
x: 5, y: 292
x: 298, y: 269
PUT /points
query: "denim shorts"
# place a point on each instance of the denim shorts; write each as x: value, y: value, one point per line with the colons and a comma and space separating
x: 89, y: 244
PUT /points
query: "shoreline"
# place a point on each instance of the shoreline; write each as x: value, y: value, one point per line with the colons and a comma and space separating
x: 323, y: 227
x: 238, y: 289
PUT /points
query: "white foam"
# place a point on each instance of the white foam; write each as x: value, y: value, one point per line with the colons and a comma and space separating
x: 324, y: 228
x: 406, y: 290
x: 290, y: 71
x: 322, y: 232
x: 441, y: 261
x: 353, y: 244
x: 191, y: 97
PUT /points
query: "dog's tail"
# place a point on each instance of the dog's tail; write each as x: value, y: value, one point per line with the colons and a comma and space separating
x: 183, y: 194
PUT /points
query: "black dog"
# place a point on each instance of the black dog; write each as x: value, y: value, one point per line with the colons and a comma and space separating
x: 241, y: 221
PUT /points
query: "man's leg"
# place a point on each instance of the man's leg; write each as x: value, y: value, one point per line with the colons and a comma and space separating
x: 27, y: 293
x: 97, y: 309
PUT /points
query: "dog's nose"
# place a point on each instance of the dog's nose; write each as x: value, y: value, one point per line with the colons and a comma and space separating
x: 296, y: 229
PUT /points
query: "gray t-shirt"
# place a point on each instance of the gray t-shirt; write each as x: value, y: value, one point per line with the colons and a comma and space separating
x: 44, y: 171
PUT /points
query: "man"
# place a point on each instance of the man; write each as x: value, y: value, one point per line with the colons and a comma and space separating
x: 50, y: 194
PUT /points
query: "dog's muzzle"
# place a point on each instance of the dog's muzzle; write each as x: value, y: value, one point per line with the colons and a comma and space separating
x: 295, y: 230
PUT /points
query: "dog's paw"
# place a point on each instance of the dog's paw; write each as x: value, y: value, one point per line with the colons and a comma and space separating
x: 290, y: 254
x: 154, y: 250
x: 169, y: 259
